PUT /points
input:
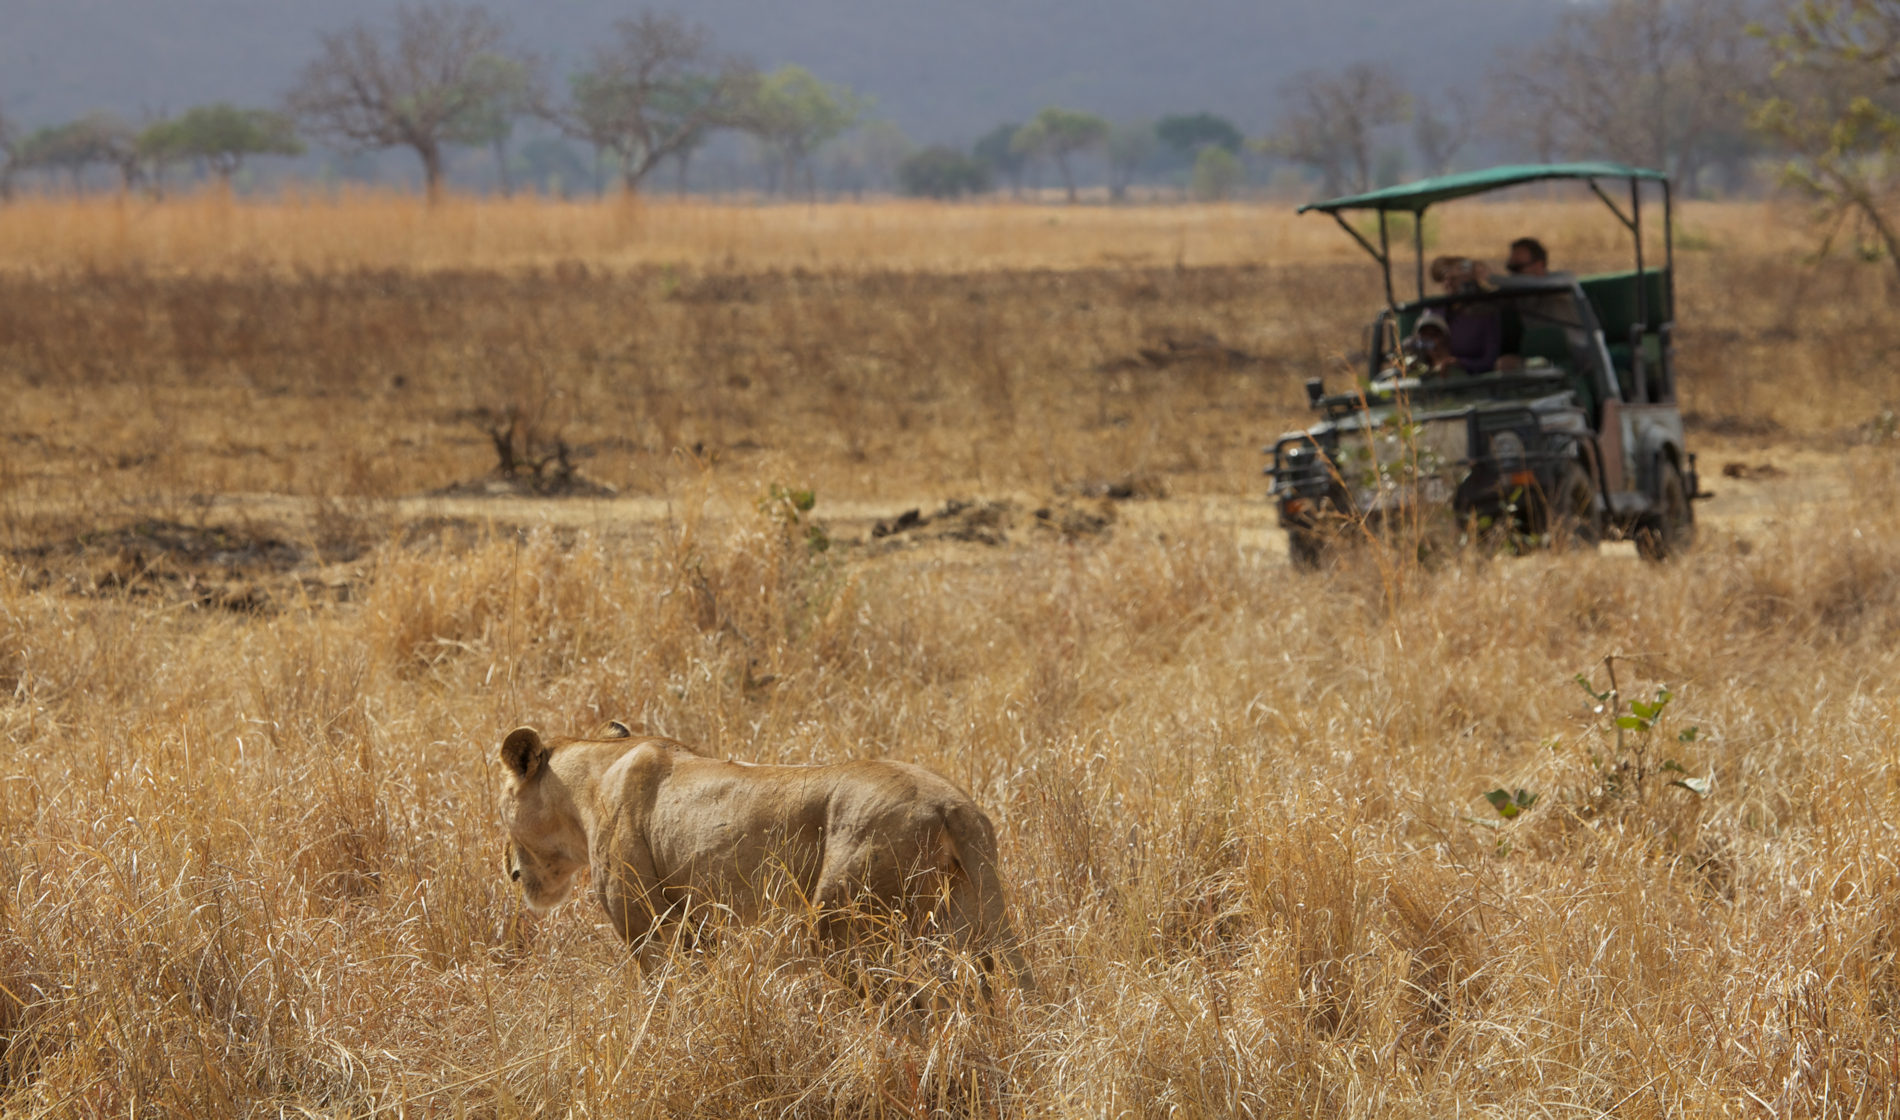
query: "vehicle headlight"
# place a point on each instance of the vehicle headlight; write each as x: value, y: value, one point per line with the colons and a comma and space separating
x: 1507, y: 448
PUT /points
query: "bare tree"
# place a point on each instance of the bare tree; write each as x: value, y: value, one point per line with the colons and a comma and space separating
x: 653, y: 93
x: 1834, y: 104
x: 868, y: 158
x: 1130, y: 148
x: 1647, y: 82
x: 1441, y: 127
x: 413, y: 85
x: 9, y: 155
x: 508, y: 93
x: 1334, y: 122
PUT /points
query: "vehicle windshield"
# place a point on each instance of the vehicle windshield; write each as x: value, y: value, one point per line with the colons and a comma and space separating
x: 1505, y: 329
x: 1512, y: 340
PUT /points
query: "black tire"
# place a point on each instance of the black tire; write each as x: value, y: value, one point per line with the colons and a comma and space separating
x: 1669, y: 529
x: 1572, y: 515
x: 1306, y: 551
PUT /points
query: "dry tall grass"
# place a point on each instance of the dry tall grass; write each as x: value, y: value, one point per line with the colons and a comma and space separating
x: 213, y: 232
x: 251, y: 864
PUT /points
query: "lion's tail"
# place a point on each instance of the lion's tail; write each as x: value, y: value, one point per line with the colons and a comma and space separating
x: 976, y: 896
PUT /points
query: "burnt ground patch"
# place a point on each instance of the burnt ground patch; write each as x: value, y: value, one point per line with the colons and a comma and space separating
x: 236, y: 567
x: 993, y: 522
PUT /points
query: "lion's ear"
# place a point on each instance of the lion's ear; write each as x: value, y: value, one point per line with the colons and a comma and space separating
x: 523, y: 752
x: 616, y: 730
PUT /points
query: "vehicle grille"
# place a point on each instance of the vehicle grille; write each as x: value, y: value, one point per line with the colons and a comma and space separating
x: 1405, y: 450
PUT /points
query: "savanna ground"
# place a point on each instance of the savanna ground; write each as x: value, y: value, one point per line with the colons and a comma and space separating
x: 266, y: 610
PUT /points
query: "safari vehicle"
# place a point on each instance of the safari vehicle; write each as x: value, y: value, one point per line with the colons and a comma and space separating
x: 1579, y: 440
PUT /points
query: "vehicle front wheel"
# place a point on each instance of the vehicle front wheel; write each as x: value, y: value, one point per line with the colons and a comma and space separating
x: 1669, y: 530
x: 1572, y: 515
x: 1306, y: 551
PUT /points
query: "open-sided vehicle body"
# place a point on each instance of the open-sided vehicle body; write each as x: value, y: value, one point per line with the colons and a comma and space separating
x: 1580, y: 437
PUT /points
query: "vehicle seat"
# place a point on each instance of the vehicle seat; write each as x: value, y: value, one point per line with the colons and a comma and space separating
x: 1554, y: 344
x: 1613, y: 295
x: 1548, y: 341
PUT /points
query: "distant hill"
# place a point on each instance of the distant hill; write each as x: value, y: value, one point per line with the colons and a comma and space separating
x: 941, y: 71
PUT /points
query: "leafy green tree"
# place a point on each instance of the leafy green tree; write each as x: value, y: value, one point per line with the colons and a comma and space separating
x: 793, y: 113
x: 506, y: 91
x: 941, y: 172
x: 221, y: 136
x: 72, y: 147
x: 1217, y: 172
x: 417, y: 84
x: 652, y: 93
x: 997, y: 150
x: 1059, y: 134
x: 1834, y: 103
x: 1186, y: 134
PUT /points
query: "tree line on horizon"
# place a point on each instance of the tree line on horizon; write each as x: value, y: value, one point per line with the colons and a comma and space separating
x: 1707, y: 90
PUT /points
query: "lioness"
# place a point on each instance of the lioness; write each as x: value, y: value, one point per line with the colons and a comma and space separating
x: 663, y: 829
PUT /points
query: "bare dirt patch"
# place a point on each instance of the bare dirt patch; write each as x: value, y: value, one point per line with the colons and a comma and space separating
x: 1199, y: 349
x: 556, y: 484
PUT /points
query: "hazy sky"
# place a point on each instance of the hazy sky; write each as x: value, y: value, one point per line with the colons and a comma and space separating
x: 942, y: 71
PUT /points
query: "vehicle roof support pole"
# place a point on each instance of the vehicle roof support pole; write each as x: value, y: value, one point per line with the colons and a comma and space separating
x: 1385, y: 258
x: 1611, y: 203
x: 1418, y: 249
x: 1364, y: 244
x: 1636, y: 227
x: 1669, y: 257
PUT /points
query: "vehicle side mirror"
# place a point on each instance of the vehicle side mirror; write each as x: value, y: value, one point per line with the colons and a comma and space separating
x: 1315, y: 389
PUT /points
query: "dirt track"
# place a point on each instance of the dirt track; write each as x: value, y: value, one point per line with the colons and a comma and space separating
x: 1765, y: 484
x: 261, y: 551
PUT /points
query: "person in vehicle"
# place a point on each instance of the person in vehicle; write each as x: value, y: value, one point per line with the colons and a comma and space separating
x: 1475, y: 328
x: 1527, y: 257
x: 1431, y: 346
x: 1529, y: 263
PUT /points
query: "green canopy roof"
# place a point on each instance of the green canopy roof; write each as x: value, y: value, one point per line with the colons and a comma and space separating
x: 1415, y: 197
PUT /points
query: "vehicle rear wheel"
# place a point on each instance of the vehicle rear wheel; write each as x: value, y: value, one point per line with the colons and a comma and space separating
x: 1669, y: 530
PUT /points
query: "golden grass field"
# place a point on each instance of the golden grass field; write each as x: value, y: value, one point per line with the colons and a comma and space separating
x: 265, y: 615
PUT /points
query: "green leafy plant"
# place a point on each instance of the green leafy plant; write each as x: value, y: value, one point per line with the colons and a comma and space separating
x: 1639, y: 737
x: 789, y: 508
x: 1509, y: 803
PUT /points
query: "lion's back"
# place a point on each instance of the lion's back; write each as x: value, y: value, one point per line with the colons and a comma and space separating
x: 707, y: 812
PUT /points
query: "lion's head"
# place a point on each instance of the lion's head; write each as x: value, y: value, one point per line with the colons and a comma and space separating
x: 546, y: 845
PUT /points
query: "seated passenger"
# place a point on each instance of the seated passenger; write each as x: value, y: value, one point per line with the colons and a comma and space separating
x: 1430, y: 346
x: 1529, y: 264
x: 1476, y: 329
x: 1527, y: 258
x: 1529, y: 267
